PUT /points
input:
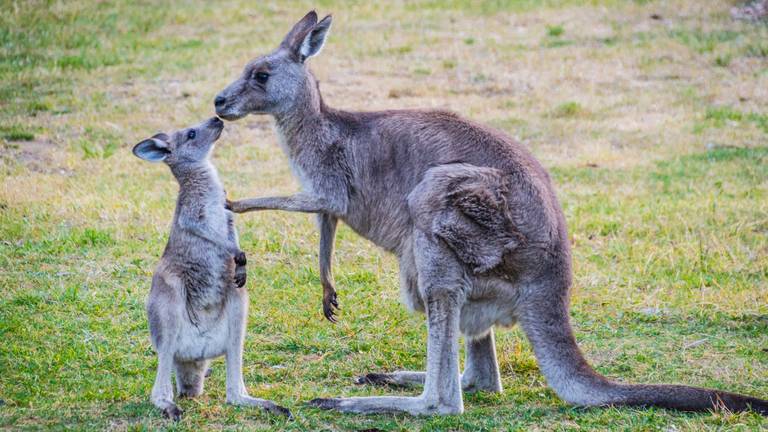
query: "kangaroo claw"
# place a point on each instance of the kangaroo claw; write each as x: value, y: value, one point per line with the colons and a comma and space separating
x: 330, y: 305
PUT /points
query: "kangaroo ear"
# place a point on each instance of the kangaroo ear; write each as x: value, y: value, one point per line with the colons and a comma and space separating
x: 293, y: 39
x: 153, y: 149
x: 315, y: 39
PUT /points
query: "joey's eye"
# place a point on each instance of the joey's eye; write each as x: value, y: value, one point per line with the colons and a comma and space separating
x: 191, y: 134
x: 261, y: 77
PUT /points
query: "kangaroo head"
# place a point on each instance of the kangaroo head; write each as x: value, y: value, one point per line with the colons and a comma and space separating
x: 279, y: 82
x: 185, y: 147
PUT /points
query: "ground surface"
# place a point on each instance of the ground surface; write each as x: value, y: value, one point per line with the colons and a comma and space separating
x: 651, y: 116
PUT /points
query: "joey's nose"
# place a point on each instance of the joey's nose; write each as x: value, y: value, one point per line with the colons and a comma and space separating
x: 219, y: 101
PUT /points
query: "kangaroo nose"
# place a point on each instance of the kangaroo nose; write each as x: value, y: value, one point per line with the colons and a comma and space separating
x: 220, y: 100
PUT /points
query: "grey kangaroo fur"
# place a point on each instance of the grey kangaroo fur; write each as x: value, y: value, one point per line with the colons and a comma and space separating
x: 471, y: 215
x: 198, y: 305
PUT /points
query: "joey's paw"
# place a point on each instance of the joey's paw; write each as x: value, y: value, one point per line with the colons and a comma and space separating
x: 240, y: 278
x: 330, y: 305
x: 325, y: 403
x: 173, y: 412
x: 240, y: 258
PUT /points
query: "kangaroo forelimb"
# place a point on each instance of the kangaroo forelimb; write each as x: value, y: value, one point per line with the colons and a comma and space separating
x: 327, y: 224
x: 300, y: 202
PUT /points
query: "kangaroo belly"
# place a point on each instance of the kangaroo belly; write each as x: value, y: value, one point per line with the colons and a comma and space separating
x: 386, y: 223
x: 490, y: 302
x: 191, y: 308
x: 477, y: 316
x: 206, y: 338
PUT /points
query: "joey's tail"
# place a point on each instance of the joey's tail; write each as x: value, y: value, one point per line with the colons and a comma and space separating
x: 547, y: 325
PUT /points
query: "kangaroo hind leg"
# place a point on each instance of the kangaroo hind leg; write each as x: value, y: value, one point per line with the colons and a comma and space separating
x: 481, y: 370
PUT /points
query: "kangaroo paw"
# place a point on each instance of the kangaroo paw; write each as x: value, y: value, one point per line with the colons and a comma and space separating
x: 330, y: 304
x: 240, y: 276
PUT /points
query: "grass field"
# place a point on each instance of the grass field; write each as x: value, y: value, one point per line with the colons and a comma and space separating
x: 651, y: 116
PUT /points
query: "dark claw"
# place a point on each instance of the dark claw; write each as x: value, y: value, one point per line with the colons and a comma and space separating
x: 324, y: 404
x: 240, y: 258
x: 228, y: 204
x: 329, y: 313
x: 174, y: 413
x: 329, y: 303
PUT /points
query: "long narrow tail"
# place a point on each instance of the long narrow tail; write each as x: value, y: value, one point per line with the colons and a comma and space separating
x: 548, y: 327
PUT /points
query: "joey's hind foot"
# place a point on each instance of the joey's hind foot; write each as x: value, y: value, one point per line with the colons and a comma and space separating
x: 173, y: 412
x: 280, y: 410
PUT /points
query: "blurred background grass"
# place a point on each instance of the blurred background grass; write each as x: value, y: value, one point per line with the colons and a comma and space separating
x: 650, y: 115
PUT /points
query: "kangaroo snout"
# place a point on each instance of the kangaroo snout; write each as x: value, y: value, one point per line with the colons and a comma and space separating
x: 217, y: 126
x: 215, y: 123
x: 224, y: 108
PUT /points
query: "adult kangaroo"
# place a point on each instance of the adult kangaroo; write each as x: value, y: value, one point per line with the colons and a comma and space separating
x: 470, y: 214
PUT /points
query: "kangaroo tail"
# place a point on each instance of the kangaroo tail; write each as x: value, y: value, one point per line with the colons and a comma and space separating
x: 545, y: 320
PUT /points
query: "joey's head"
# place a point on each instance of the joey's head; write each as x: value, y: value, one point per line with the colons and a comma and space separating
x: 183, y: 149
x: 278, y: 83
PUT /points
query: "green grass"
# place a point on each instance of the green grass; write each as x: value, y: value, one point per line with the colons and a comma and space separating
x: 569, y: 109
x: 719, y: 116
x: 704, y: 41
x: 16, y: 133
x: 661, y: 169
x: 555, y: 31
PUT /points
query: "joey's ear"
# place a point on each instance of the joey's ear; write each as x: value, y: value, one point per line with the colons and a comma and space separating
x: 152, y: 149
x: 315, y: 39
x: 293, y: 39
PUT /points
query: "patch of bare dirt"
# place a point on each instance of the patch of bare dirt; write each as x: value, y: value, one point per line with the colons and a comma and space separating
x: 39, y: 155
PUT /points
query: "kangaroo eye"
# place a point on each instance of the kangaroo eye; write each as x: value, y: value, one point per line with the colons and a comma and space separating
x: 191, y: 134
x: 261, y: 77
